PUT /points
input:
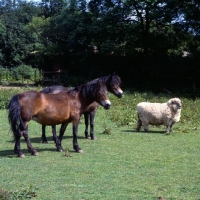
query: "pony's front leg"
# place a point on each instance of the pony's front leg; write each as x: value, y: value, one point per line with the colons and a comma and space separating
x: 28, y: 143
x: 75, y: 135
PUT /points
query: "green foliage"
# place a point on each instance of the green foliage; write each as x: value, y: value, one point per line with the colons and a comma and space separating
x: 23, y: 72
x: 147, y: 37
x: 37, y: 25
x: 6, y: 94
x: 24, y: 193
x: 4, y: 194
x: 107, y: 130
x: 15, y: 44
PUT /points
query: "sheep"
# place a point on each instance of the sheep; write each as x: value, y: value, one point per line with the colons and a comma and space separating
x: 166, y: 114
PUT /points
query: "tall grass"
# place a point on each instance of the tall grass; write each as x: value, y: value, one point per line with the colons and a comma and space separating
x: 123, y: 164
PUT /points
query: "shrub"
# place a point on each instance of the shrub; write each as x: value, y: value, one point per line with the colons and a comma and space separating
x: 24, y: 72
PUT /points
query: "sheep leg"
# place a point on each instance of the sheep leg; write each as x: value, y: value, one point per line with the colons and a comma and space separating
x: 171, y: 129
x: 139, y: 124
x: 146, y: 127
x: 167, y: 129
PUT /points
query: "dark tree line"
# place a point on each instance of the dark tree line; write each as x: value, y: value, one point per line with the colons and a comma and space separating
x: 141, y: 40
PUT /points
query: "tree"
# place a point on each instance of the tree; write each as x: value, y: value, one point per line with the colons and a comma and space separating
x: 14, y: 15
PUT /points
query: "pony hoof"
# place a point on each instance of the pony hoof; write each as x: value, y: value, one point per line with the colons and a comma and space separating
x: 45, y: 142
x: 78, y: 150
x: 35, y: 153
x: 93, y: 138
x: 59, y: 149
x: 21, y: 156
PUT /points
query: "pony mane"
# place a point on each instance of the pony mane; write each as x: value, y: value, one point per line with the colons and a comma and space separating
x: 107, y: 79
x: 86, y: 90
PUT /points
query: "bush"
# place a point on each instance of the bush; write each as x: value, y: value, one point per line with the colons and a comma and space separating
x: 4, y: 74
x: 25, y: 72
x: 6, y: 94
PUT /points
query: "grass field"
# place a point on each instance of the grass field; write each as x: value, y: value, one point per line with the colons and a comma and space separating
x: 123, y: 164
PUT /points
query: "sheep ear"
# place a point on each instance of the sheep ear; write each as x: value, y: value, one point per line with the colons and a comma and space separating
x: 169, y: 102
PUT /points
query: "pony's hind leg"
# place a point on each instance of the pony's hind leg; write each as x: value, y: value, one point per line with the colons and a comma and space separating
x: 28, y: 143
x: 92, y: 115
x: 86, y: 117
x: 17, y: 148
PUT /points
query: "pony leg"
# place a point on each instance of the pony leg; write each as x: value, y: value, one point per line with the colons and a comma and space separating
x: 28, y: 143
x: 59, y: 140
x: 62, y: 131
x: 17, y: 148
x: 75, y: 141
x: 44, y: 139
x: 92, y: 115
x: 54, y: 133
x: 56, y: 139
x: 86, y: 117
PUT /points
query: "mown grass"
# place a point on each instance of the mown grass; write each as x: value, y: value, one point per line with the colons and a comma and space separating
x: 123, y: 164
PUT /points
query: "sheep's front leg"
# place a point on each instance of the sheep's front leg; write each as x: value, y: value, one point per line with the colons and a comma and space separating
x: 171, y: 130
x: 167, y: 129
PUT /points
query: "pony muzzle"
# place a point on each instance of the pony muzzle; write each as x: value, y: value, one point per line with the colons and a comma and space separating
x: 119, y: 93
x: 106, y: 104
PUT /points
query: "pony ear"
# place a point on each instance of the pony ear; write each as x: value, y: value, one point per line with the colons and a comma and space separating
x: 113, y: 74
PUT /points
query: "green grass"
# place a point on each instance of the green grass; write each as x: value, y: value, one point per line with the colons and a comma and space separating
x: 123, y: 164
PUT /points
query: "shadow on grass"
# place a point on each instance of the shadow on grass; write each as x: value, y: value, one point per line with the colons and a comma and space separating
x: 134, y: 131
x: 49, y: 139
x: 10, y: 153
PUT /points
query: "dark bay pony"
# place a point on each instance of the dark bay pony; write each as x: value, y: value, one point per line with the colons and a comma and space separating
x: 113, y: 83
x: 53, y: 109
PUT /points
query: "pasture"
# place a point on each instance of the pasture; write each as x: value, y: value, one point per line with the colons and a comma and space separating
x: 120, y: 164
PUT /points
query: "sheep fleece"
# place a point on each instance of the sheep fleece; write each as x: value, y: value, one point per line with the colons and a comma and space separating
x: 157, y: 113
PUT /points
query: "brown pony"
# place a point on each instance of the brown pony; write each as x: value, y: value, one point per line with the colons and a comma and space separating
x: 113, y: 83
x: 53, y: 109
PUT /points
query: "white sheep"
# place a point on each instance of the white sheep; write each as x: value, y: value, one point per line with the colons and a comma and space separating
x: 159, y: 114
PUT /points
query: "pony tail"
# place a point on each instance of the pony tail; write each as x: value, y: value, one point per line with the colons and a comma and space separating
x: 14, y: 117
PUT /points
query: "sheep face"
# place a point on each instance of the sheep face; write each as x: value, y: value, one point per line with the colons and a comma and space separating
x: 175, y: 104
